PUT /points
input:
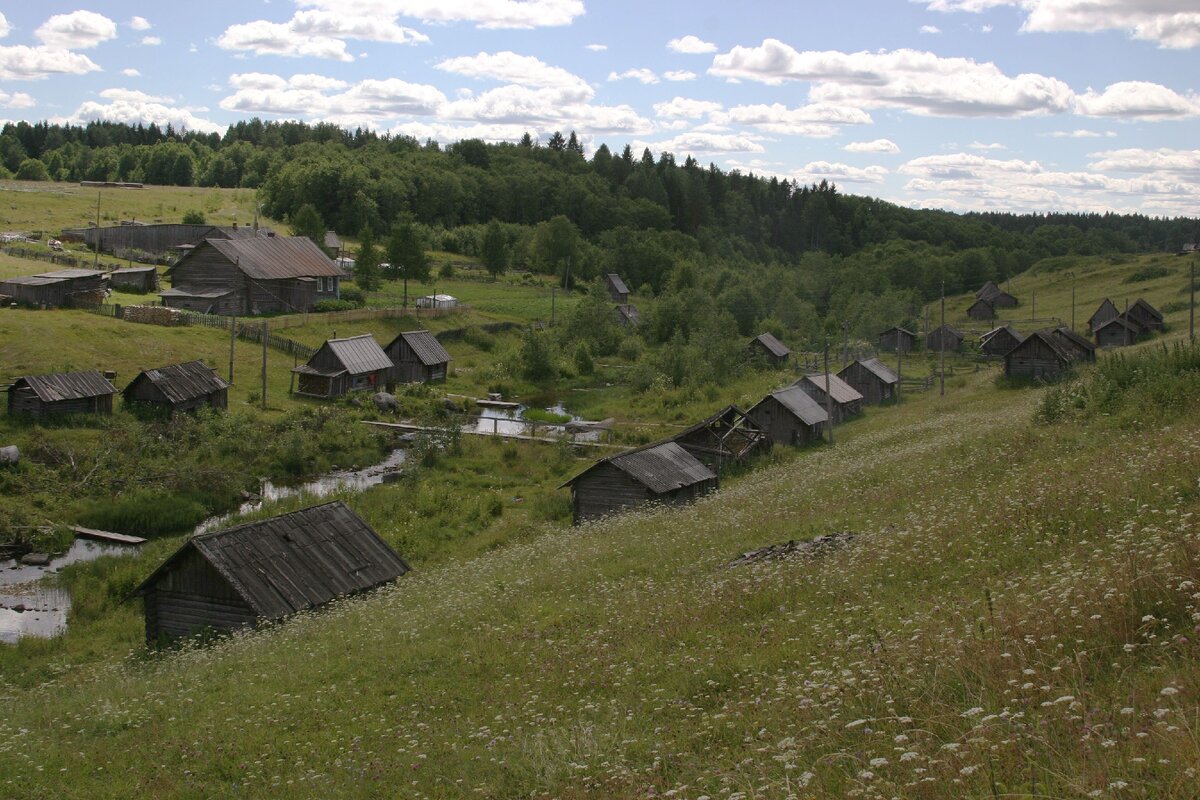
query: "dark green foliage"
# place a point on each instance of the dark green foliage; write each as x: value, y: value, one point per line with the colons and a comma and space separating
x: 537, y: 357
x: 556, y: 250
x: 352, y: 295
x: 366, y: 266
x: 31, y: 169
x: 583, y: 359
x: 335, y: 305
x: 143, y: 513
x: 446, y: 270
x: 307, y: 222
x: 406, y: 255
x: 494, y: 250
x: 193, y: 217
x: 1148, y: 273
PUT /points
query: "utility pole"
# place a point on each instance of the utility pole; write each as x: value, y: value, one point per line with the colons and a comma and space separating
x: 567, y: 281
x: 96, y: 261
x: 899, y: 365
x: 264, y: 366
x: 1072, y: 301
x: 232, y: 339
x: 1033, y: 307
x: 942, y: 344
x: 1128, y: 337
x: 1192, y: 304
x: 828, y: 396
x: 553, y: 291
x: 845, y: 343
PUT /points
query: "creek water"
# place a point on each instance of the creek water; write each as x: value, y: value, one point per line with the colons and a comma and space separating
x: 512, y: 422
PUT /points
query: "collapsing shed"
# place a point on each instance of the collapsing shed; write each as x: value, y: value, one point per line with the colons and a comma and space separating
x: 898, y: 339
x: 628, y: 315
x: 266, y: 570
x: 418, y: 357
x: 847, y: 401
x: 179, y: 387
x: 344, y: 365
x: 617, y: 289
x: 789, y: 416
x: 872, y: 379
x: 664, y: 472
x: 62, y: 287
x: 63, y: 393
x: 729, y: 436
x: 999, y: 341
x: 766, y: 345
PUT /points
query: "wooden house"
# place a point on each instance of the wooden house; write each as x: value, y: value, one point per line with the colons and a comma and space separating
x: 789, y: 416
x: 339, y: 366
x: 617, y: 290
x: 872, y: 379
x: 986, y: 290
x: 898, y: 339
x: 259, y: 275
x: 61, y: 287
x: 847, y: 401
x: 63, y: 393
x: 179, y: 387
x: 1081, y: 350
x: 765, y: 345
x: 628, y: 315
x: 333, y: 243
x: 1106, y: 311
x: 418, y: 357
x: 981, y: 309
x: 999, y: 341
x: 663, y: 472
x: 944, y: 337
x: 134, y: 279
x: 1039, y: 356
x: 1145, y: 315
x: 1117, y: 332
x: 159, y: 238
x: 995, y: 296
x: 266, y: 570
x: 727, y: 437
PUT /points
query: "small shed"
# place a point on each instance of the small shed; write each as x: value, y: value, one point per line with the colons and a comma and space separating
x: 134, y: 279
x: 1117, y: 332
x: 266, y: 570
x: 1106, y: 311
x: 729, y: 436
x: 61, y: 287
x: 995, y: 296
x: 617, y: 289
x: 344, y: 365
x: 333, y: 242
x: 789, y: 416
x: 1080, y: 348
x: 86, y: 392
x: 766, y: 345
x: 981, y: 309
x: 999, y: 341
x: 628, y: 315
x: 1040, y: 356
x: 440, y: 301
x: 418, y: 357
x: 988, y: 289
x: 1146, y: 315
x: 847, y: 401
x: 898, y: 339
x: 944, y: 337
x: 663, y: 472
x: 871, y: 378
x: 179, y: 387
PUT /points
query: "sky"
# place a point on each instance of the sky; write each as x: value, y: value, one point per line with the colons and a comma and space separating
x: 1009, y: 105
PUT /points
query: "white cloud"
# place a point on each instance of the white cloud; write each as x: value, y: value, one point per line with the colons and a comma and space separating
x: 817, y: 171
x: 921, y: 82
x: 16, y: 100
x: 817, y: 120
x: 691, y: 45
x: 686, y: 108
x: 484, y: 13
x: 930, y: 29
x: 1181, y: 163
x: 151, y: 41
x: 318, y: 34
x: 704, y: 143
x: 596, y: 48
x: 1138, y: 100
x: 546, y: 109
x: 876, y: 146
x: 1080, y: 133
x: 316, y: 97
x: 987, y: 146
x: 133, y: 107
x: 643, y: 75
x: 447, y: 133
x: 4, y: 27
x: 76, y: 31
x: 20, y: 62
x: 140, y: 24
x: 130, y: 72
x: 679, y: 75
x: 524, y: 70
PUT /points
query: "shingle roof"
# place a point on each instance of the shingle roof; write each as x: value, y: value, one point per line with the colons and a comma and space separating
x: 1149, y: 309
x: 182, y: 382
x: 359, y: 354
x: 274, y: 257
x: 661, y: 467
x: 898, y: 329
x: 296, y: 561
x: 806, y: 409
x: 618, y: 285
x: 841, y: 391
x: 1128, y: 325
x: 72, y: 272
x: 1051, y: 341
x: 773, y: 345
x: 67, y: 385
x: 425, y: 346
x: 132, y: 271
x: 879, y: 370
x: 949, y: 329
x: 998, y: 329
x: 986, y: 290
x: 1074, y: 338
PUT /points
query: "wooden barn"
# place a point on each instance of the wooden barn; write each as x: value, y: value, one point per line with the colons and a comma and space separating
x: 727, y: 437
x: 159, y: 238
x: 628, y: 315
x: 766, y: 346
x: 663, y: 472
x: 1081, y: 350
x: 981, y: 309
x: 995, y: 296
x: 134, y: 279
x: 179, y: 387
x: 944, y: 337
x: 1040, y: 356
x: 617, y: 290
x: 333, y: 243
x: 789, y: 416
x: 847, y: 401
x: 1117, y: 332
x: 339, y: 366
x: 1106, y: 311
x: 987, y: 289
x: 61, y: 287
x: 1147, y: 316
x: 261, y: 275
x: 898, y: 339
x: 872, y: 379
x: 63, y: 393
x: 418, y: 357
x: 266, y: 570
x: 999, y: 340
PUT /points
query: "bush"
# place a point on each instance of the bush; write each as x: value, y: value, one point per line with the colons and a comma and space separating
x: 334, y: 305
x: 143, y: 513
x: 355, y: 296
x: 194, y: 217
x: 583, y: 360
x: 446, y: 270
x: 630, y: 349
x: 1148, y: 273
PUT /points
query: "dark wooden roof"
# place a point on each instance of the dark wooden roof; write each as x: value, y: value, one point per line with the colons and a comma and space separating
x: 660, y: 467
x: 71, y: 273
x: 839, y: 390
x: 773, y: 345
x: 181, y: 382
x: 1046, y: 337
x: 987, y: 290
x: 984, y: 301
x: 1149, y: 309
x: 946, y: 329
x: 1074, y: 338
x: 295, y: 561
x: 1106, y: 303
x: 358, y: 355
x: 617, y: 284
x: 1009, y: 329
x: 425, y: 346
x: 133, y: 271
x: 332, y: 241
x: 805, y: 409
x: 273, y: 257
x: 898, y: 329
x: 1129, y: 325
x: 879, y: 370
x: 67, y: 385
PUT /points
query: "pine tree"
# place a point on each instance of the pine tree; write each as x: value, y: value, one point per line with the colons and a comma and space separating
x: 366, y: 267
x: 557, y: 142
x: 406, y: 252
x: 494, y: 249
x: 307, y: 222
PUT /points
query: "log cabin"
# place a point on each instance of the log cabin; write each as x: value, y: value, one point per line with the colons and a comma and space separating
x: 178, y: 387
x: 87, y: 392
x: 339, y: 366
x: 789, y: 416
x: 418, y: 357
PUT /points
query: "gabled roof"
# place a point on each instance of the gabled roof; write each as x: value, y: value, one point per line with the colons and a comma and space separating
x: 1009, y: 329
x: 841, y: 391
x: 424, y: 345
x: 133, y: 271
x: 1106, y: 303
x: 182, y: 382
x: 987, y: 301
x: 1052, y: 342
x: 660, y: 467
x: 948, y: 328
x: 272, y: 257
x: 358, y: 354
x: 879, y: 370
x: 898, y: 329
x: 295, y: 561
x: 67, y: 385
x: 332, y: 241
x: 773, y: 345
x: 1149, y: 309
x: 71, y: 273
x: 1074, y: 338
x: 801, y: 406
x: 1129, y: 325
x: 618, y: 285
x: 987, y: 290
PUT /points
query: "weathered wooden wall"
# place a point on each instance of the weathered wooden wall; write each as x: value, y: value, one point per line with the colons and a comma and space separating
x: 190, y: 597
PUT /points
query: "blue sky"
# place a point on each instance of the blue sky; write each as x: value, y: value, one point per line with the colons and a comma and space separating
x: 1021, y: 105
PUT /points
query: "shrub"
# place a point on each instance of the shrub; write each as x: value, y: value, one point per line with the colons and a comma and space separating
x: 583, y: 360
x: 323, y: 306
x: 143, y: 513
x: 355, y: 296
x: 446, y: 270
x: 194, y: 217
x: 630, y: 349
x: 1148, y: 273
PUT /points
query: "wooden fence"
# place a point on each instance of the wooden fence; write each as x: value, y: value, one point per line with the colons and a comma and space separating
x: 251, y: 332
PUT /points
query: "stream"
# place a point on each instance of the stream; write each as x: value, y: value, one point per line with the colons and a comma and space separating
x: 511, y: 422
